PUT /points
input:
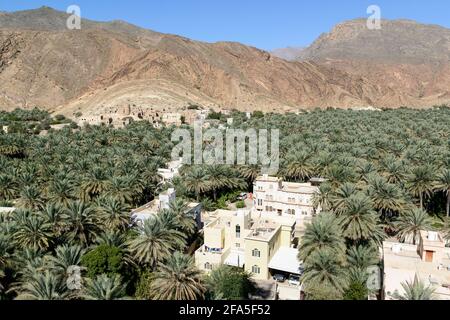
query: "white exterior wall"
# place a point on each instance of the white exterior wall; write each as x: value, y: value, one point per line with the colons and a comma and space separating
x: 269, y: 194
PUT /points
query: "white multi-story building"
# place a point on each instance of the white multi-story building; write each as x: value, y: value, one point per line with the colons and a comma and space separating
x: 273, y: 196
x: 140, y: 215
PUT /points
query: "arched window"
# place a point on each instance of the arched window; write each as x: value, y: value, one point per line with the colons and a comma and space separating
x: 208, y: 266
x: 238, y: 231
x: 256, y: 253
x: 256, y: 269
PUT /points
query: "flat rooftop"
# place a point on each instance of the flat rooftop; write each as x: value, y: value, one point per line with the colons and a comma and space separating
x: 267, y: 179
x: 307, y: 188
x: 7, y: 209
x: 147, y: 209
x: 402, y: 262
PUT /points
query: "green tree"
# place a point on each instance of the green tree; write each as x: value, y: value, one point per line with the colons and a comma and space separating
x: 415, y: 290
x: 178, y: 279
x: 411, y: 223
x: 323, y: 233
x: 230, y: 283
x: 104, y: 287
x: 325, y: 268
x: 421, y: 182
x: 358, y: 219
x: 42, y: 286
x: 443, y: 184
x: 155, y: 243
x: 103, y: 260
x: 356, y: 291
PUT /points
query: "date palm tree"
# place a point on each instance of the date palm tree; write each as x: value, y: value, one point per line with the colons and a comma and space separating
x: 65, y: 257
x: 8, y: 188
x: 185, y: 220
x: 341, y: 195
x: 443, y: 184
x: 155, y: 243
x: 323, y: 197
x: 42, y: 286
x: 93, y: 184
x: 114, y: 214
x: 222, y: 177
x: 60, y: 191
x: 196, y: 180
x: 81, y: 223
x: 298, y: 166
x: 421, y: 182
x: 387, y: 198
x: 178, y: 279
x: 30, y: 198
x: 363, y: 257
x: 415, y: 290
x: 122, y: 188
x: 33, y: 232
x: 324, y: 268
x: 104, y: 287
x: 358, y: 220
x: 410, y: 223
x: 323, y: 233
x: 249, y: 173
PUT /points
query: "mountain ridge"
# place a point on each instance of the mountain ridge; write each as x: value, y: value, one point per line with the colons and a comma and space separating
x: 108, y: 65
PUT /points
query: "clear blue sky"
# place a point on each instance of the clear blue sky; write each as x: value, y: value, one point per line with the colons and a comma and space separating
x: 262, y: 23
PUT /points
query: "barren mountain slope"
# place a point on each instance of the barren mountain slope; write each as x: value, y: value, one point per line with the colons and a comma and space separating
x: 111, y: 65
x: 408, y: 61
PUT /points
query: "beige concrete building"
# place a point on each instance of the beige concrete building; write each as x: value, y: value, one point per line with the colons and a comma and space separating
x: 248, y: 239
x: 172, y: 170
x: 172, y: 119
x: 275, y: 197
x: 141, y: 214
x: 429, y: 260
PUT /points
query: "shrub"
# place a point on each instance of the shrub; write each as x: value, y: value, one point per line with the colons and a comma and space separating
x: 230, y: 283
x: 240, y: 204
x: 356, y: 291
x: 144, y: 285
x: 103, y: 260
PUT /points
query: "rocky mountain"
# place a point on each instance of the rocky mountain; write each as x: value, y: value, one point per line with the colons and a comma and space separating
x: 288, y: 53
x: 109, y: 65
x: 407, y: 61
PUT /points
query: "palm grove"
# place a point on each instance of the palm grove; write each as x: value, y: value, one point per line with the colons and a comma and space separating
x: 388, y: 174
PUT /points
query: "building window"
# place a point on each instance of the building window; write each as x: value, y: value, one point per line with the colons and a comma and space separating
x: 238, y: 245
x: 238, y: 231
x: 256, y: 253
x: 260, y: 202
x: 208, y: 266
x: 256, y: 269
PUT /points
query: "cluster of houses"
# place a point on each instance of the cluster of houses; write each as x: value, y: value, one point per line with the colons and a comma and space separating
x: 119, y: 117
x: 429, y: 260
x: 263, y: 238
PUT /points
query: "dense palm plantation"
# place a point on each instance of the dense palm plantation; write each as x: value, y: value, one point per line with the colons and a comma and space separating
x: 387, y: 172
